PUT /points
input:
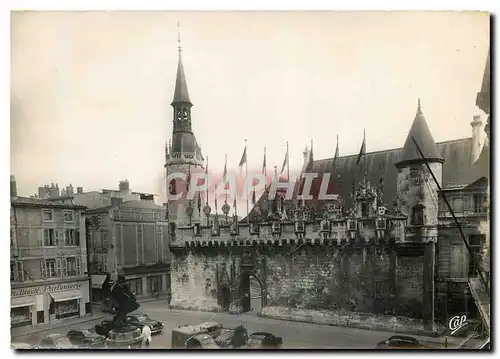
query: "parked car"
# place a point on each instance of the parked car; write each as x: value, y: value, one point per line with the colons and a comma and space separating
x: 55, y: 341
x: 401, y: 342
x: 211, y: 335
x: 140, y: 320
x: 21, y: 346
x: 181, y: 334
x: 86, y: 338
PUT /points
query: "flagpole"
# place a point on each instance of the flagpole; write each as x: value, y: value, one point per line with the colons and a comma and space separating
x: 206, y: 184
x: 287, y: 163
x: 246, y: 175
x: 366, y: 163
x: 206, y: 179
x: 225, y: 175
x: 265, y: 167
x: 189, y: 185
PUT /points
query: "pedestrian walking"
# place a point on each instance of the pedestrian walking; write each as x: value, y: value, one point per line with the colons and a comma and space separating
x: 146, y: 336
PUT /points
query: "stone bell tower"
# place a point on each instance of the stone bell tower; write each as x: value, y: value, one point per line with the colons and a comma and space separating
x: 183, y: 156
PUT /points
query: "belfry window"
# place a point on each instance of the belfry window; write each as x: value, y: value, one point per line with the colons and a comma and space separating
x: 417, y: 218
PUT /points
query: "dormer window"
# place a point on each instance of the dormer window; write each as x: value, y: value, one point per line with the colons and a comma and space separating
x: 254, y: 228
x: 299, y: 227
x: 351, y: 225
x: 417, y: 218
x: 197, y: 229
x: 381, y: 223
x: 365, y: 209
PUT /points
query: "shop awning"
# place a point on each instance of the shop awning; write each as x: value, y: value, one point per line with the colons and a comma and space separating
x: 22, y: 302
x: 97, y: 280
x: 64, y: 296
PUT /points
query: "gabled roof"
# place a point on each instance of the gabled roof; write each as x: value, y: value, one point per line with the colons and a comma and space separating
x: 422, y: 135
x: 181, y: 94
x: 484, y: 96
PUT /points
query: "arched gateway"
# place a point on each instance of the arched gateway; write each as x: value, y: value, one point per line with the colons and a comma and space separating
x: 249, y: 290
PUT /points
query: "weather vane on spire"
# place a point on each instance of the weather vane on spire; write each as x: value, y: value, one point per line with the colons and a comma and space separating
x: 179, y: 37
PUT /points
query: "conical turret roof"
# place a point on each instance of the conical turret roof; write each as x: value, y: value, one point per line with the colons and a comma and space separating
x: 181, y: 94
x: 422, y: 135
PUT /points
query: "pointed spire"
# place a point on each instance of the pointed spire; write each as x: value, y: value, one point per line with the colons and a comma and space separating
x: 421, y: 133
x: 181, y: 94
x: 179, y: 39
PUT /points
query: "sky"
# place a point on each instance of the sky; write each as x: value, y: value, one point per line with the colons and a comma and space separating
x: 91, y: 91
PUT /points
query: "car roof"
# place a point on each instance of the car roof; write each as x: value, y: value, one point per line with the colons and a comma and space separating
x: 402, y: 337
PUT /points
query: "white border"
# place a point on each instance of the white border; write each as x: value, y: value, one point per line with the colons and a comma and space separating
x: 7, y: 5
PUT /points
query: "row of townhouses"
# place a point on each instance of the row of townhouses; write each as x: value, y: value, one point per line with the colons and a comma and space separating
x: 60, y: 249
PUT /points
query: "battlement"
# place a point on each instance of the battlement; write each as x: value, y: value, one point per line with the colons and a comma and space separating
x: 290, y: 232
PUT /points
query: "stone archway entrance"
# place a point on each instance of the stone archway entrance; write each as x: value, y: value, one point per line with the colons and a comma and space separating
x: 225, y: 297
x: 251, y: 291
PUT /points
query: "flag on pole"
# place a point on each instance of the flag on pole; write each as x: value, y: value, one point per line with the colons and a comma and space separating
x: 243, y: 157
x: 337, y: 150
x: 215, y: 199
x: 285, y: 161
x: 264, y: 163
x: 362, y: 151
x: 310, y: 159
x: 225, y: 169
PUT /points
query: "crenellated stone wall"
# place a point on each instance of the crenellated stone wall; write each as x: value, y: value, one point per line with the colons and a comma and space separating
x: 337, y: 273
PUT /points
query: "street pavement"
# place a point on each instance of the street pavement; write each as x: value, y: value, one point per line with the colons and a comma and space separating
x: 295, y: 335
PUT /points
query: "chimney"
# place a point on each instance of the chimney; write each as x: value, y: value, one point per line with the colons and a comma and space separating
x: 124, y: 186
x: 13, y: 186
x: 476, y: 137
x: 69, y: 190
x: 79, y: 190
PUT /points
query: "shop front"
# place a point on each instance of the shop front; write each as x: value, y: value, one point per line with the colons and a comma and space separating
x: 43, y: 304
x: 22, y: 311
x: 65, y: 304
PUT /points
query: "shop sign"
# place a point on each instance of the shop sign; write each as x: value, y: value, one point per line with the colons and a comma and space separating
x: 29, y: 291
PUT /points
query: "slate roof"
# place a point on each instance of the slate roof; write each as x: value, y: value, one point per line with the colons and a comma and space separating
x: 141, y: 205
x: 457, y: 170
x: 181, y: 94
x: 186, y: 141
x: 484, y: 96
x: 38, y: 202
x: 422, y: 135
